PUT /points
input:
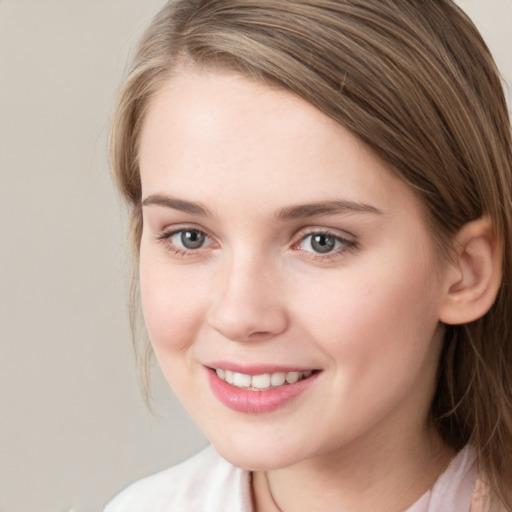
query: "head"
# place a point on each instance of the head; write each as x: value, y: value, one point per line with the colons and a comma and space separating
x: 415, y: 83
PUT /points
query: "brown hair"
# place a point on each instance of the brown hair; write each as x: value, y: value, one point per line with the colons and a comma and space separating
x: 414, y: 80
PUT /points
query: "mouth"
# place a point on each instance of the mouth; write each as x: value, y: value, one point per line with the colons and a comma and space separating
x: 263, y: 381
x: 260, y: 390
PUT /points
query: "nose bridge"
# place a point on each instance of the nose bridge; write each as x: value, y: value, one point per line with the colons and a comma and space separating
x: 246, y: 303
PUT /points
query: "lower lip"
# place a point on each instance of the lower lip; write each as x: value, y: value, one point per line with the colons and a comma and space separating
x: 244, y: 400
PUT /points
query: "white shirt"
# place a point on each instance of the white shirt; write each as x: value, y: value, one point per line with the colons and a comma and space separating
x: 208, y: 483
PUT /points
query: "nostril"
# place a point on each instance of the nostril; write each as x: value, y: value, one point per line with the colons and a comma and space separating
x: 260, y: 335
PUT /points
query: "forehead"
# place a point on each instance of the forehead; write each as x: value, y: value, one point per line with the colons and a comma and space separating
x: 211, y: 135
x: 214, y: 109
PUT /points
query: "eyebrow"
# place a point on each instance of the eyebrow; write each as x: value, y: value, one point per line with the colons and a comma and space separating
x: 325, y: 208
x: 176, y: 204
x: 288, y: 213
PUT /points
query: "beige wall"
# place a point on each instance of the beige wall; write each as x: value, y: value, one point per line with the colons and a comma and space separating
x: 74, y: 429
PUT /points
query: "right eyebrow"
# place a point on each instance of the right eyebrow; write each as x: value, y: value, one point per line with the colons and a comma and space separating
x: 176, y: 204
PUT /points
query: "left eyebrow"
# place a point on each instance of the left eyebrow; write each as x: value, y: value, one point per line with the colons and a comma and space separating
x: 325, y: 208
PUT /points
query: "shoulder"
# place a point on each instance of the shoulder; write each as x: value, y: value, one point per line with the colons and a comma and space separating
x: 203, y: 483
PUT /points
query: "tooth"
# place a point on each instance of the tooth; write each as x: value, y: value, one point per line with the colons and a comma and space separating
x: 241, y: 380
x: 292, y: 377
x: 278, y: 379
x: 260, y: 381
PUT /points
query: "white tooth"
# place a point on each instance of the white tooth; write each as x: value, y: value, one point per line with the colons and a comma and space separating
x: 307, y: 374
x: 221, y: 373
x: 278, y: 379
x: 228, y: 376
x: 241, y: 380
x: 261, y: 381
x: 292, y: 377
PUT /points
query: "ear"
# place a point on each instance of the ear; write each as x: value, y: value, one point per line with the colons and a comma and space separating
x: 474, y: 276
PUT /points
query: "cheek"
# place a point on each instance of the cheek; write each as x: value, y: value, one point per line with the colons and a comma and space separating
x: 173, y: 303
x: 378, y: 330
x: 373, y: 318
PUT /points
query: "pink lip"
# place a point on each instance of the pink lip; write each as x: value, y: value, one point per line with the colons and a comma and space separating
x: 243, y: 400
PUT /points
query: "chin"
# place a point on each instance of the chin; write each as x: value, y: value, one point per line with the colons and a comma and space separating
x: 257, y: 459
x: 257, y: 454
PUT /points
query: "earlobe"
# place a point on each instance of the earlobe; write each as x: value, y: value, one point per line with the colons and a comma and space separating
x: 474, y: 276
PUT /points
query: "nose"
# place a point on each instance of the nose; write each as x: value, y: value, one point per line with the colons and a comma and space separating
x: 248, y: 304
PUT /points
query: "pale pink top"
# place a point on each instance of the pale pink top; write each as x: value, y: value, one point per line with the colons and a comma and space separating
x: 453, y: 489
x: 207, y: 483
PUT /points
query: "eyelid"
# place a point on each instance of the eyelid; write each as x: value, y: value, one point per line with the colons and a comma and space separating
x: 322, y: 230
x: 348, y: 240
x: 176, y: 228
x: 164, y: 236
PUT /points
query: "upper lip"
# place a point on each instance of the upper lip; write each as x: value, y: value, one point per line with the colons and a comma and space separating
x: 257, y: 369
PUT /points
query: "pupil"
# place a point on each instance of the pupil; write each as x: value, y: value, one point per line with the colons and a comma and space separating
x: 192, y: 239
x: 322, y: 243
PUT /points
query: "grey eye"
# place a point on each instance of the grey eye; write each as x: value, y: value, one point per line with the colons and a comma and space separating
x: 189, y: 239
x: 322, y: 243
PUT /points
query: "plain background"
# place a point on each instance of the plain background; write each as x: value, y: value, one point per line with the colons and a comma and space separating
x: 73, y: 428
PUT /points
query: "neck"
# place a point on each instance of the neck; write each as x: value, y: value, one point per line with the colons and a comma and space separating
x: 387, y: 477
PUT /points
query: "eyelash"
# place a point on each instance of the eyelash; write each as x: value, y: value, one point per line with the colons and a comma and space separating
x: 346, y: 244
x: 166, y: 236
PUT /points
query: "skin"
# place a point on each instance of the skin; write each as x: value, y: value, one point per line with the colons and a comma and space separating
x: 257, y: 292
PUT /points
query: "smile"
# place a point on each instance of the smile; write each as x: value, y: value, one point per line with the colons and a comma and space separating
x: 265, y: 381
x: 258, y: 392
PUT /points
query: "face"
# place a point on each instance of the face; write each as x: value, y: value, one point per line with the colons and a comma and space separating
x: 288, y: 280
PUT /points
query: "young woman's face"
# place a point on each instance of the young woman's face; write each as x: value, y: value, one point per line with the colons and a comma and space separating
x: 276, y: 247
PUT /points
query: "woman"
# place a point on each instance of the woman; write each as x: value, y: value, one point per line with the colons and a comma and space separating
x: 322, y: 215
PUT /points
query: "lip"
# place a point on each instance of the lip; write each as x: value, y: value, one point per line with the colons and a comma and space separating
x: 256, y: 402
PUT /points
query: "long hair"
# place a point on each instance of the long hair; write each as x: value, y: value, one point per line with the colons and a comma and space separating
x: 414, y: 81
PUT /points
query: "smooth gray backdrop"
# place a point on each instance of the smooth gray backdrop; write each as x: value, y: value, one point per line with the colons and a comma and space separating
x: 74, y: 429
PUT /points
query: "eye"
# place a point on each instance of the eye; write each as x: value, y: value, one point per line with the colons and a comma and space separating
x: 185, y: 241
x: 189, y: 239
x: 320, y: 243
x: 324, y: 243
